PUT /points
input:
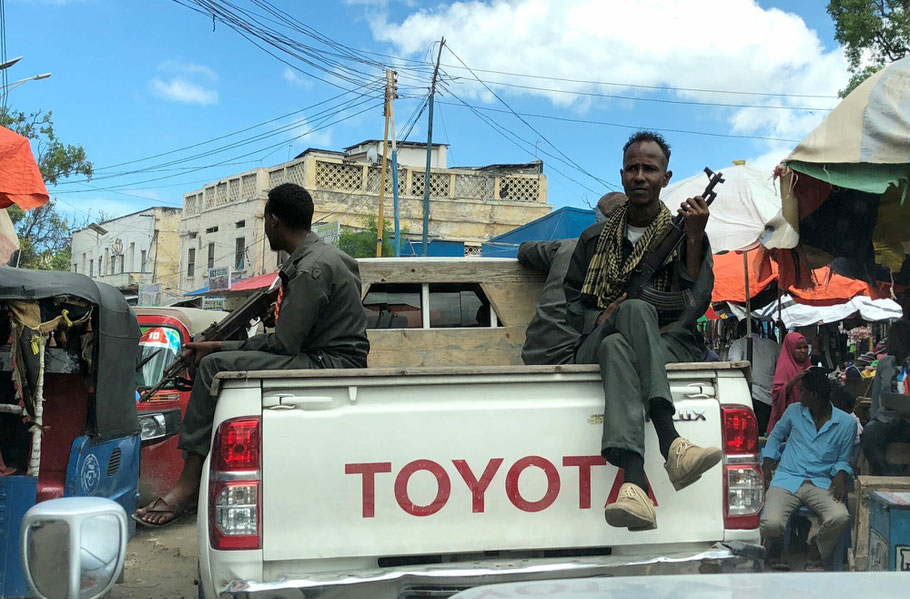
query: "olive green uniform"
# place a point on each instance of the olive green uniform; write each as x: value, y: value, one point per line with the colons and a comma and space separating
x: 321, y: 324
x: 636, y: 342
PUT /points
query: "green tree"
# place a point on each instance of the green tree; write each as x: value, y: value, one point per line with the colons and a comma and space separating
x: 45, y: 232
x: 873, y: 33
x: 362, y: 243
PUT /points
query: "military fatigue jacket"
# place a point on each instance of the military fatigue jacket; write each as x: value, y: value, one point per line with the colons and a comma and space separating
x: 582, y: 312
x: 321, y: 312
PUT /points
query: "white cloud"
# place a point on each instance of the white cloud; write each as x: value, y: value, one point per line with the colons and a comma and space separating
x: 294, y: 78
x: 178, y: 89
x: 316, y: 139
x: 185, y: 82
x: 188, y: 68
x: 699, y: 44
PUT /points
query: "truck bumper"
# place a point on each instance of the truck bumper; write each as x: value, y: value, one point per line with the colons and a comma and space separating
x: 444, y: 580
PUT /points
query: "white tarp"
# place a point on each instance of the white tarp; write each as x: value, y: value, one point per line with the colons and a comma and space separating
x: 798, y: 315
x: 745, y: 202
x: 9, y: 241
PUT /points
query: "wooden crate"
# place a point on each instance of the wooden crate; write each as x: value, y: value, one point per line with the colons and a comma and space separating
x: 865, y: 484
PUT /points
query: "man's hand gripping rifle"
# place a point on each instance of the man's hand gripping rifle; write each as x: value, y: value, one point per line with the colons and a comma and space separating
x: 651, y: 263
x: 229, y: 327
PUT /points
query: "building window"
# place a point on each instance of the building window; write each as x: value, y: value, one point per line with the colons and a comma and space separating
x: 122, y: 258
x: 100, y: 266
x: 212, y: 229
x: 239, y: 248
x: 191, y: 263
x: 240, y: 224
x: 142, y: 261
x: 75, y: 267
x: 83, y: 262
x: 211, y: 262
x: 113, y: 262
x: 193, y: 235
x: 393, y: 306
x: 91, y: 268
x: 132, y: 256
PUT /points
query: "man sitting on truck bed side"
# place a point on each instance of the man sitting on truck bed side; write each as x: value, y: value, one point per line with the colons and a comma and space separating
x: 633, y: 340
x: 549, y: 339
x: 814, y: 469
x: 319, y: 323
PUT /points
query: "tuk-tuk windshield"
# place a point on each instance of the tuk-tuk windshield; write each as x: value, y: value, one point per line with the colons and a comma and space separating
x: 159, y: 347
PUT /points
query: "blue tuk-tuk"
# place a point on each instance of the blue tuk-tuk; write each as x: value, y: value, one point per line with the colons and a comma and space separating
x: 68, y: 424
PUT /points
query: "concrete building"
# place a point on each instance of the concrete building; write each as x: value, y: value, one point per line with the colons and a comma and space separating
x: 131, y: 250
x: 221, y: 224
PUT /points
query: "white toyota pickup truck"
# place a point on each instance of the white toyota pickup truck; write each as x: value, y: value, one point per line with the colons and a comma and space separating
x: 421, y: 481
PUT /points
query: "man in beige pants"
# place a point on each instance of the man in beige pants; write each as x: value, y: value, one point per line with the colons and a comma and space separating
x: 813, y: 471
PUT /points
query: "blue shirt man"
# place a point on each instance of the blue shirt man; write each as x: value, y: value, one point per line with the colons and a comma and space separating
x: 810, y: 454
x: 813, y: 470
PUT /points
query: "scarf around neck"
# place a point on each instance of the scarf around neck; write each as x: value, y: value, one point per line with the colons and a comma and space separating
x: 608, y: 273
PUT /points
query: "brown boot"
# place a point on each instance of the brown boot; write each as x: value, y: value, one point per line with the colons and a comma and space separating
x: 632, y: 509
x: 687, y: 462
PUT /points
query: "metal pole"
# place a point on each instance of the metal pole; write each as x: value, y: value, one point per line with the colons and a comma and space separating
x: 385, y: 158
x: 426, y: 182
x: 748, y: 297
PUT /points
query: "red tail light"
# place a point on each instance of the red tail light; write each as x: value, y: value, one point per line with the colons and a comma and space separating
x: 744, y: 489
x: 235, y: 493
x: 740, y: 430
x: 237, y: 445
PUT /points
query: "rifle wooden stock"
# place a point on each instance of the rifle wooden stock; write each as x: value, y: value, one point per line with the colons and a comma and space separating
x: 230, y: 326
x: 654, y: 259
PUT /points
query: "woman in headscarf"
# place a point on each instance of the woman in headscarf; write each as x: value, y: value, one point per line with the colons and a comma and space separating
x: 792, y: 362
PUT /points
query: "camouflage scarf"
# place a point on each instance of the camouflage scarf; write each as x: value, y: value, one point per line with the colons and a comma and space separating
x: 608, y: 273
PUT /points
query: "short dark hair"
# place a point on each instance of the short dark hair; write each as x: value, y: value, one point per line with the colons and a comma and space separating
x: 641, y: 136
x: 817, y: 381
x: 843, y: 398
x: 292, y: 205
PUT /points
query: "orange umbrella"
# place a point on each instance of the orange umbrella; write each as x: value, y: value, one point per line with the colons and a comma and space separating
x: 20, y: 180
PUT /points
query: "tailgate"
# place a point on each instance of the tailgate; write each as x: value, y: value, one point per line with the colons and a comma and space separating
x: 428, y: 464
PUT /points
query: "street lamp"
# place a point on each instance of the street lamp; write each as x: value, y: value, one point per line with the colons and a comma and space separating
x: 11, y: 86
x: 10, y: 63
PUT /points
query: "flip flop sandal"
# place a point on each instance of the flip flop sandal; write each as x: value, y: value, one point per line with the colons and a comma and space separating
x: 814, y: 566
x: 160, y: 506
x: 778, y: 565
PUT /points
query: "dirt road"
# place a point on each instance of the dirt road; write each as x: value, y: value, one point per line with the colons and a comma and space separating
x: 160, y: 564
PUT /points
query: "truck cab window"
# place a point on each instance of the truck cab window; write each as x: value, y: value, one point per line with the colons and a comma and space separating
x: 458, y: 305
x: 391, y: 306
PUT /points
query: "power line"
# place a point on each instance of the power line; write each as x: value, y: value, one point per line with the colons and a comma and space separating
x: 658, y: 100
x: 624, y: 126
x: 530, y: 126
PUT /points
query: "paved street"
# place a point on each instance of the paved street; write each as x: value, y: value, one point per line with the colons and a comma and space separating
x: 160, y: 564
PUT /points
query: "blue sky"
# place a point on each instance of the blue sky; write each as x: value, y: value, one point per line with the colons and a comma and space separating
x: 135, y: 79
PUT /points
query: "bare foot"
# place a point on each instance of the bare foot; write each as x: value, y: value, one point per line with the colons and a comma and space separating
x: 179, y: 500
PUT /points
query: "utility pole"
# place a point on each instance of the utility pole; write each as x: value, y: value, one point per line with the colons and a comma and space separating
x: 426, y: 182
x: 397, y: 233
x: 389, y: 95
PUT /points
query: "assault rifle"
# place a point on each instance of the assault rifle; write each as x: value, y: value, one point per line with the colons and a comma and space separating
x: 229, y: 327
x: 653, y: 261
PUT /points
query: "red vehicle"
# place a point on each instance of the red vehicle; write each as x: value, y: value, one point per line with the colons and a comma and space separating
x: 164, y: 331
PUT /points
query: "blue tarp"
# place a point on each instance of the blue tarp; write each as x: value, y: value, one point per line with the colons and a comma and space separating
x: 565, y: 223
x: 436, y: 248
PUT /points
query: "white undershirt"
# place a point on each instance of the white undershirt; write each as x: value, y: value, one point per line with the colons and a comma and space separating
x: 633, y: 234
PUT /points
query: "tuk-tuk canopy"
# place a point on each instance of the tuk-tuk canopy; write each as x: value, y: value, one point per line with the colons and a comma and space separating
x: 113, y: 412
